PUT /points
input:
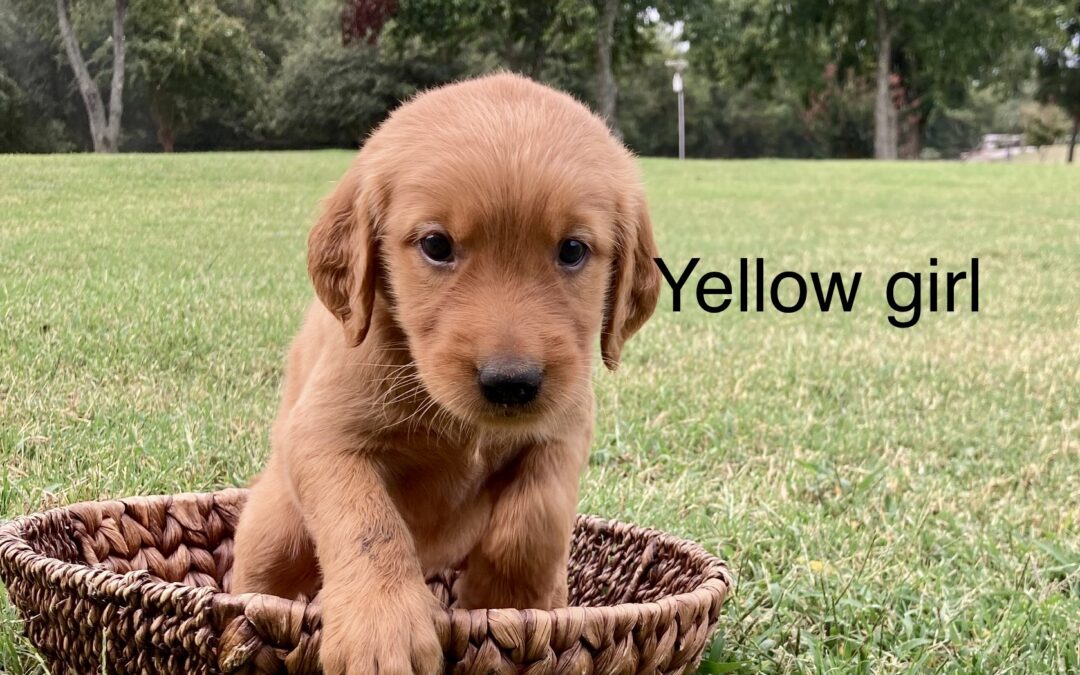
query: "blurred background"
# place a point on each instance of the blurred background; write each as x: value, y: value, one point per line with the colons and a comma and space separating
x: 914, y: 79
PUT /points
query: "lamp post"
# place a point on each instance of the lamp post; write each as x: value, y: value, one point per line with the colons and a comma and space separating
x: 677, y: 86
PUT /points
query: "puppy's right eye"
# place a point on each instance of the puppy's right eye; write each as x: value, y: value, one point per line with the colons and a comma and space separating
x: 437, y: 248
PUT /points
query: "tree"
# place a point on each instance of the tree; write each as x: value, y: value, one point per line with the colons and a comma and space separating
x: 31, y: 52
x: 104, y: 125
x: 1043, y: 124
x: 195, y: 61
x: 12, y: 114
x: 725, y: 121
x: 330, y: 95
x: 333, y: 89
x: 520, y: 34
x: 624, y: 33
x: 919, y: 53
x: 533, y: 38
x: 1058, y: 71
x: 364, y: 20
x: 606, y: 90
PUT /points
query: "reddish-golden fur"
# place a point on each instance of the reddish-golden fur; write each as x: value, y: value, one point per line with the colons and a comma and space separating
x: 387, y: 462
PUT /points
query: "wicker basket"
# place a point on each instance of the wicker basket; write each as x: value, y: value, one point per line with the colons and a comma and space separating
x: 143, y: 583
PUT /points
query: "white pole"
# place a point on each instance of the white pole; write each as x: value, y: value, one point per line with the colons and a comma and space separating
x: 677, y: 86
x: 682, y: 128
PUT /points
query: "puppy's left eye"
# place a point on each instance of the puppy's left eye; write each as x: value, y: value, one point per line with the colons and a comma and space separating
x: 572, y: 252
x: 438, y: 248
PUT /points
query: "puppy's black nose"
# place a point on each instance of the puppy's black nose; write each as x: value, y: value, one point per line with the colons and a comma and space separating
x: 510, y: 381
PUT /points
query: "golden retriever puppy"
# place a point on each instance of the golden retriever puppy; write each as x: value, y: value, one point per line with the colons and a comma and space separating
x: 437, y: 407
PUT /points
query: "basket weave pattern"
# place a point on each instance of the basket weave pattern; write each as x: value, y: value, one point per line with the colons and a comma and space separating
x: 143, y: 583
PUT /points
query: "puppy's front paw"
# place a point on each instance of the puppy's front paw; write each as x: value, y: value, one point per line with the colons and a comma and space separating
x: 381, y: 635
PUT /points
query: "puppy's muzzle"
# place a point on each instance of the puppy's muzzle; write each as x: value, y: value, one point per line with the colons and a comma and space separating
x: 510, y: 382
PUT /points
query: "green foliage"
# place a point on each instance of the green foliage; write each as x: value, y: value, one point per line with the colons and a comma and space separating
x: 1044, y: 124
x: 951, y: 131
x: 195, y: 61
x: 1059, y: 64
x: 1058, y: 72
x: 32, y: 114
x: 788, y: 79
x: 840, y: 115
x: 527, y: 36
x: 13, y: 125
x: 327, y: 94
x: 54, y: 118
x: 721, y: 121
x: 813, y: 48
x: 272, y: 25
x: 943, y: 46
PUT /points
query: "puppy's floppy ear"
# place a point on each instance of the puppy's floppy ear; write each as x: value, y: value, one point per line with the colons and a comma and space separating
x: 342, y: 256
x: 635, y: 281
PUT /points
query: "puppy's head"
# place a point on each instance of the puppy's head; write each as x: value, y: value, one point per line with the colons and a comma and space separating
x: 505, y: 229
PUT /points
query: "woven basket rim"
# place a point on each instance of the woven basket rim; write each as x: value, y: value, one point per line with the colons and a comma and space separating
x: 17, y: 551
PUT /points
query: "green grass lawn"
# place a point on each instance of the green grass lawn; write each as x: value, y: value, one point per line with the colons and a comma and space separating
x: 891, y: 500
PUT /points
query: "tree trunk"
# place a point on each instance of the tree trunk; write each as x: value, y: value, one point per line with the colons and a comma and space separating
x: 885, y: 116
x: 104, y: 132
x: 90, y: 95
x: 911, y: 129
x: 1072, y: 138
x: 606, y: 89
x: 165, y: 124
x: 166, y: 137
x: 116, y: 91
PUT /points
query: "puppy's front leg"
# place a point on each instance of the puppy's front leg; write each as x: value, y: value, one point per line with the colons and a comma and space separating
x: 377, y: 612
x: 521, y: 560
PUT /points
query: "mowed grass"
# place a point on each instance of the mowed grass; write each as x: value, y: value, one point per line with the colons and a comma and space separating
x: 892, y: 500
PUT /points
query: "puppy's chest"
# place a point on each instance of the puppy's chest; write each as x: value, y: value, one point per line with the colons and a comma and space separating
x: 447, y: 505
